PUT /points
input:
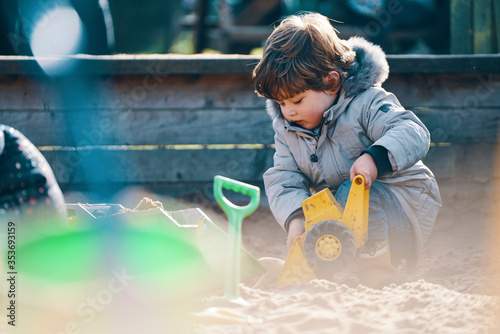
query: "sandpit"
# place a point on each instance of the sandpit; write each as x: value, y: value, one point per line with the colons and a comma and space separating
x: 453, y: 288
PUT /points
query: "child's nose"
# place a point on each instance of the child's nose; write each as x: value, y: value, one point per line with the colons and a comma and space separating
x: 288, y: 111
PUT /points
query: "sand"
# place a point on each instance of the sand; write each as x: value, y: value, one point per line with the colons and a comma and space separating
x: 453, y: 288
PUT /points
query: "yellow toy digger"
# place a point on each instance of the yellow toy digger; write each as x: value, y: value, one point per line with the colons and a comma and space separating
x: 332, y: 235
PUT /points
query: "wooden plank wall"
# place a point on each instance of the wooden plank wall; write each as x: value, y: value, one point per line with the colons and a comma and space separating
x: 161, y: 125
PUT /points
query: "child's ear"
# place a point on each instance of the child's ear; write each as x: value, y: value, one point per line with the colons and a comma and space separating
x: 333, y: 81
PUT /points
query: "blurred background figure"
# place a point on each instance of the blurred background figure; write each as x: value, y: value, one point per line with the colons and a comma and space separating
x: 402, y: 26
x: 146, y: 26
x: 223, y: 26
x: 399, y: 26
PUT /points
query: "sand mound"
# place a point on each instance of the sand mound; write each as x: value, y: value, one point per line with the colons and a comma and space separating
x: 451, y: 290
x: 147, y: 203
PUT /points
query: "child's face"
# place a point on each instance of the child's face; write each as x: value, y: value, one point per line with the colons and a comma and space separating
x: 306, y: 109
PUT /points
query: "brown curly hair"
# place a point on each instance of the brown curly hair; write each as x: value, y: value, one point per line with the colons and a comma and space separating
x: 299, y: 53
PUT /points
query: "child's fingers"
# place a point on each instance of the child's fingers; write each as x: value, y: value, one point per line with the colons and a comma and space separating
x: 363, y: 172
x: 368, y: 181
x: 366, y: 167
x: 295, y: 229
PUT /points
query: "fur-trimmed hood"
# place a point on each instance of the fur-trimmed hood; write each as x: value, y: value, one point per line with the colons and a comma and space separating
x: 370, y: 68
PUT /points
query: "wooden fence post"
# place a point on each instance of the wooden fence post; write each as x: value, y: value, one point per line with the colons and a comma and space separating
x: 475, y: 26
x: 496, y: 13
x: 461, y: 27
x: 482, y: 24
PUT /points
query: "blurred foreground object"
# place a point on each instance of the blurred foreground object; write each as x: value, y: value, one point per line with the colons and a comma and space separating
x: 110, y: 278
x: 52, y: 20
x: 113, y: 262
x: 191, y: 225
x: 29, y: 194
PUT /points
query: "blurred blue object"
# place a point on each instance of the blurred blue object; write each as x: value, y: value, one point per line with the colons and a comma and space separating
x: 19, y: 19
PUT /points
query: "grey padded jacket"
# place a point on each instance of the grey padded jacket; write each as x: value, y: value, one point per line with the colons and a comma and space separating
x: 364, y: 115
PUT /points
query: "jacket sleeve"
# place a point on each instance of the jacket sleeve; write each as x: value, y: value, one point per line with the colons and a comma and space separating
x: 286, y: 186
x: 398, y: 130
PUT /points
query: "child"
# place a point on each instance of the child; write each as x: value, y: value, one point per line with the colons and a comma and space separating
x: 333, y: 121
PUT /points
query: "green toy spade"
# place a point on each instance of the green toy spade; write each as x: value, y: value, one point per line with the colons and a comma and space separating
x: 235, y: 215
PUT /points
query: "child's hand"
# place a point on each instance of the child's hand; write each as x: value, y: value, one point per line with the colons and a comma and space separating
x: 295, y: 229
x: 365, y: 166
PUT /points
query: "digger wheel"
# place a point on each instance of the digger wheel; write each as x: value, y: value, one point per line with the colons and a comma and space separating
x: 329, y: 247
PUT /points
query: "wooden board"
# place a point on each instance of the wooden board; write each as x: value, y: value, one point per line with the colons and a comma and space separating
x: 461, y: 125
x: 213, y: 127
x: 173, y: 64
x: 461, y: 91
x: 226, y: 92
x: 125, y: 129
x: 143, y: 127
x: 459, y: 162
x: 128, y: 93
x: 218, y: 109
x: 156, y: 166
x: 473, y: 162
x: 165, y: 64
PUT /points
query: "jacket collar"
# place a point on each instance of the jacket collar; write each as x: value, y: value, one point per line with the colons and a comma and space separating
x: 370, y: 68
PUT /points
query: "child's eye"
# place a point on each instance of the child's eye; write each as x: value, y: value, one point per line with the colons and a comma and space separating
x: 297, y: 102
x: 281, y: 103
